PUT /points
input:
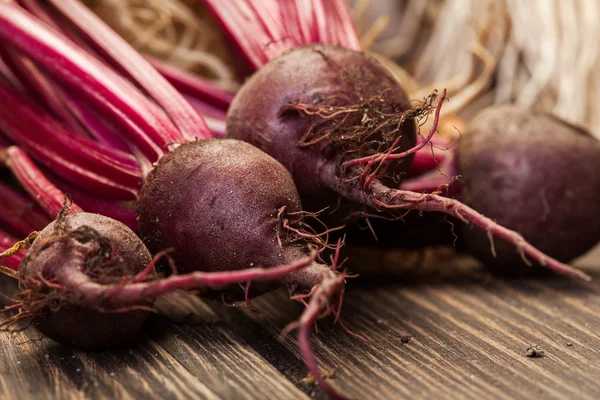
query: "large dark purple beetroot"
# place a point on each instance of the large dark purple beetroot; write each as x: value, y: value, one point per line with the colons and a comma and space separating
x: 535, y: 174
x: 273, y: 112
x: 105, y: 254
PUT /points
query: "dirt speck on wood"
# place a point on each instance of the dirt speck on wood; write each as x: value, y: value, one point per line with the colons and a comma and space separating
x: 534, y: 351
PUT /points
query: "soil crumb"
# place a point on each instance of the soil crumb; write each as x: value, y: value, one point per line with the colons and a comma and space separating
x: 534, y: 351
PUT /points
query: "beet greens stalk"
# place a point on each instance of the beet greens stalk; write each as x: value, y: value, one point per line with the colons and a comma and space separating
x: 267, y: 29
x: 36, y: 85
x: 35, y: 183
x: 60, y: 102
x: 91, y: 34
x: 21, y: 215
x: 116, y: 99
x: 115, y: 50
x: 85, y: 162
x: 194, y: 86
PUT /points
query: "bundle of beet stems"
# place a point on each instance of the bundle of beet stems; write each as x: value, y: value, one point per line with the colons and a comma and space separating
x: 125, y: 137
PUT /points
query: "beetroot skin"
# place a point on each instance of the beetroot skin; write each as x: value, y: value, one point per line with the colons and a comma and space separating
x: 220, y: 205
x: 106, y: 253
x: 228, y: 214
x: 534, y: 174
x: 273, y: 112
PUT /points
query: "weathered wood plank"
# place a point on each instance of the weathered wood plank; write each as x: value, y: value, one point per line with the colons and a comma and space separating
x: 202, y: 359
x: 469, y: 337
x: 470, y: 334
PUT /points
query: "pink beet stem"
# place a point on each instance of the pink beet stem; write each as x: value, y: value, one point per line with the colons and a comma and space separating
x: 429, y: 158
x: 7, y: 78
x: 245, y: 28
x: 425, y: 160
x: 36, y: 184
x: 89, y: 149
x: 60, y: 102
x: 194, y: 86
x: 38, y: 86
x: 293, y: 13
x: 344, y: 28
x: 445, y: 173
x: 117, y: 51
x: 265, y: 29
x: 121, y: 211
x: 19, y: 214
x: 121, y: 103
x: 42, y: 11
x: 93, y: 166
x: 214, y: 117
x: 36, y: 7
x: 99, y: 129
x: 216, y: 126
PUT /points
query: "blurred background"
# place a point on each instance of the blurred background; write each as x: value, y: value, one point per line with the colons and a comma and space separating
x: 538, y: 53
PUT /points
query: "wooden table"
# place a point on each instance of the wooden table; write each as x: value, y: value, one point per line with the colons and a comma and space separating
x: 470, y: 333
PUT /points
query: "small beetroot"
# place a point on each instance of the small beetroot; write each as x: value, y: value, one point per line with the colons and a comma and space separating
x: 104, y: 254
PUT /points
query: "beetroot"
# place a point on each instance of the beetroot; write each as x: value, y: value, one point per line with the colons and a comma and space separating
x: 533, y: 173
x: 526, y: 170
x: 203, y: 192
x: 224, y: 204
x: 84, y: 269
x: 106, y: 254
x: 203, y: 197
x: 343, y: 127
x: 287, y: 109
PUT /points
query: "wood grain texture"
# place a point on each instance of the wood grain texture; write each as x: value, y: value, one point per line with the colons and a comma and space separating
x: 470, y: 333
x: 195, y: 356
